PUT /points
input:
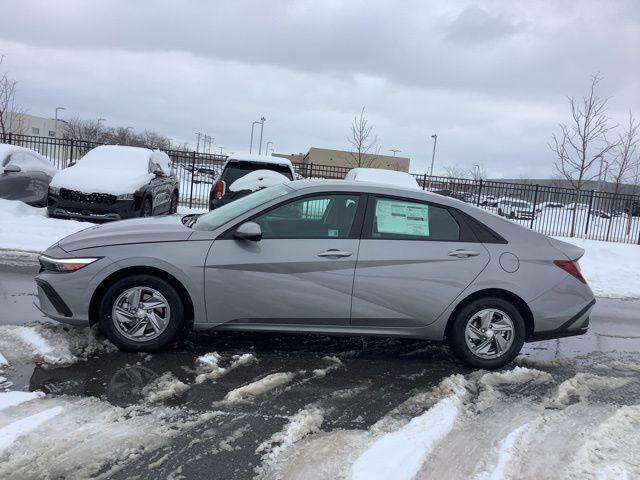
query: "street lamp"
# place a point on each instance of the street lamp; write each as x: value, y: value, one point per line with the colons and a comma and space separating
x: 251, y: 142
x: 266, y: 150
x: 220, y: 150
x: 433, y: 154
x: 262, y: 119
x: 394, y: 150
x: 476, y: 169
x: 55, y: 128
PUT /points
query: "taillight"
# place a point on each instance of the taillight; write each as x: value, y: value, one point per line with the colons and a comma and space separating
x: 218, y: 189
x: 572, y: 267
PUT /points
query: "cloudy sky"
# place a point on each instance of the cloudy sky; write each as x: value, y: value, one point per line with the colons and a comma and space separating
x: 489, y: 77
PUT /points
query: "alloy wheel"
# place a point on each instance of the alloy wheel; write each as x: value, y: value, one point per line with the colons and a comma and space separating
x: 141, y: 314
x: 489, y: 333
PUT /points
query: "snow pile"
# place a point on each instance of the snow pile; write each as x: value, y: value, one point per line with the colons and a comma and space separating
x: 453, y: 431
x: 257, y: 180
x: 49, y: 343
x: 258, y: 387
x: 11, y: 399
x: 383, y: 177
x: 28, y: 228
x: 113, y: 169
x: 164, y: 387
x: 210, y: 369
x: 335, y: 363
x: 76, y: 438
x: 611, y: 269
x: 306, y: 421
x: 28, y: 160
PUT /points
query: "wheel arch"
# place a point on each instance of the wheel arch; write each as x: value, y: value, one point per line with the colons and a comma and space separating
x: 124, y: 272
x: 517, y: 301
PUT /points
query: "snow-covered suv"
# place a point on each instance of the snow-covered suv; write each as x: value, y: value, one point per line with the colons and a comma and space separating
x: 243, y: 174
x: 113, y: 182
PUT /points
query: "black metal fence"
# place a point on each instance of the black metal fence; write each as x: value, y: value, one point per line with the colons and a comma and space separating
x: 549, y: 210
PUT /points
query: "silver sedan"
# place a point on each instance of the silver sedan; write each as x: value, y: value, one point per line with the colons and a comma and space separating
x: 331, y: 257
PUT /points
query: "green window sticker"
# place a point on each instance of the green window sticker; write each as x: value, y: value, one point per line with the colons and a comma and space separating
x: 333, y: 233
x: 402, y: 218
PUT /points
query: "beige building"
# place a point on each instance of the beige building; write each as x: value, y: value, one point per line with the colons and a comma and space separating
x: 25, y: 124
x: 342, y: 158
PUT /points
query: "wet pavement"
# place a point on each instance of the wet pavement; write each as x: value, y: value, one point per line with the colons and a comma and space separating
x: 353, y: 380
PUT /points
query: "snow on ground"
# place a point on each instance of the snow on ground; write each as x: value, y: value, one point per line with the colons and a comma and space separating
x: 482, y: 426
x: 164, y: 387
x: 258, y: 387
x: 49, y: 343
x: 77, y: 438
x: 209, y: 367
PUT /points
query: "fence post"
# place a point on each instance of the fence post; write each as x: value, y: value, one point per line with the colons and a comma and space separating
x: 479, y: 192
x: 586, y: 226
x: 10, y: 142
x: 70, y: 152
x: 193, y: 172
x: 535, y: 204
x: 424, y: 181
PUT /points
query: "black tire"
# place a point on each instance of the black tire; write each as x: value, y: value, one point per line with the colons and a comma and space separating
x: 174, y: 325
x: 173, y: 208
x: 146, y: 210
x: 512, y: 215
x: 500, y: 212
x: 458, y: 342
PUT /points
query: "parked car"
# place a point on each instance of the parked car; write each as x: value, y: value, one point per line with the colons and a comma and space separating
x: 237, y: 166
x: 382, y: 177
x: 112, y: 182
x: 24, y: 175
x: 515, y: 208
x: 330, y: 257
x: 488, y: 200
x: 577, y: 206
x: 600, y: 213
x: 548, y: 206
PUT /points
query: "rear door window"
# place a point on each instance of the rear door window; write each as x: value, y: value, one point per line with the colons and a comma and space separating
x: 409, y: 220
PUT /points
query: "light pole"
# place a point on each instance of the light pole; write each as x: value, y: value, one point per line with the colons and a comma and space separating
x: 220, y: 150
x: 266, y: 149
x: 394, y: 150
x: 55, y: 128
x: 198, y: 135
x: 433, y: 154
x: 251, y: 142
x: 600, y: 173
x: 476, y: 170
x: 262, y: 119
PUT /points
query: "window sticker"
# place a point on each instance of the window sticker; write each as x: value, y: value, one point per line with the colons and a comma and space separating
x: 403, y: 218
x: 333, y: 233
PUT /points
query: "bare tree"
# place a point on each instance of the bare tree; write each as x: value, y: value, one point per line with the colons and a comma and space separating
x: 583, y: 141
x: 11, y: 115
x: 624, y: 154
x: 86, y: 130
x: 454, y: 171
x: 364, y: 144
x: 478, y: 172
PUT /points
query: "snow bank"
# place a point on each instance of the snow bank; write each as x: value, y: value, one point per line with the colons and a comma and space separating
x: 258, y: 387
x: 113, y: 169
x: 49, y: 343
x: 11, y: 399
x: 257, y: 180
x: 28, y: 228
x: 383, y: 177
x: 611, y: 269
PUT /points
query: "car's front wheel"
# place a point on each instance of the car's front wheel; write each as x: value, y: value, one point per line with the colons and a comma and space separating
x: 147, y: 208
x: 173, y: 208
x: 141, y: 313
x: 487, y: 333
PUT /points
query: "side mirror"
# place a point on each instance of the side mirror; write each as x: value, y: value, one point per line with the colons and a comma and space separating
x: 158, y: 173
x: 248, y: 231
x: 12, y: 169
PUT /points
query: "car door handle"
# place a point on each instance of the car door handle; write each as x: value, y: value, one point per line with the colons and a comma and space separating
x: 334, y: 253
x: 462, y: 253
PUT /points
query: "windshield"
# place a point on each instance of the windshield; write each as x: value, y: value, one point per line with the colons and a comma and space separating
x: 221, y: 215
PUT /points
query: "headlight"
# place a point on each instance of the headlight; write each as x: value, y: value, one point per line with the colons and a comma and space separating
x: 54, y: 190
x: 125, y: 196
x: 63, y: 265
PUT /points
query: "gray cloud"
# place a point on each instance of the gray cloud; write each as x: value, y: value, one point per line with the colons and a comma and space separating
x: 490, y: 77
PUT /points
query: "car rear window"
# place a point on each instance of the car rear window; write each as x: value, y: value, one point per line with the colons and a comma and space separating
x: 235, y: 170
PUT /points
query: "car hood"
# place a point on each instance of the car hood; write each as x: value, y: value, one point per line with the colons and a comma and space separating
x: 100, y: 180
x: 141, y: 230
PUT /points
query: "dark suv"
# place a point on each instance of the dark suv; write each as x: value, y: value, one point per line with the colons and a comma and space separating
x: 114, y: 182
x: 275, y: 169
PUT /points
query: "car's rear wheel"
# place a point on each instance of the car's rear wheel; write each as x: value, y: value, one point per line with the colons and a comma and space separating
x: 487, y: 333
x: 141, y: 313
x: 147, y: 208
